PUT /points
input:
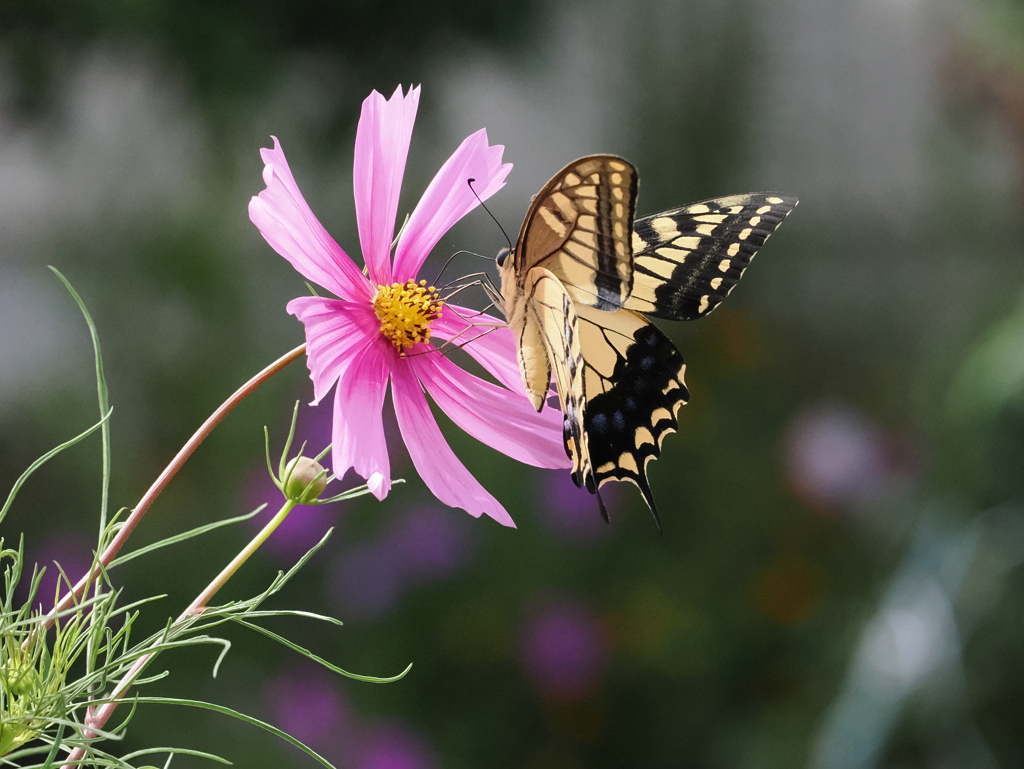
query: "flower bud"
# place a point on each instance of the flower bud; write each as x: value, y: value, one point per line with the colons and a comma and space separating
x: 298, y: 475
x: 21, y: 704
x: 18, y: 675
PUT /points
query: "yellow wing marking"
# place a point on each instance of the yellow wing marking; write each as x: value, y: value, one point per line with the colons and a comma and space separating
x: 552, y: 313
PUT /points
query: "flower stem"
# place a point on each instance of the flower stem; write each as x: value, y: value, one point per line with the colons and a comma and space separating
x: 164, y: 478
x: 99, y: 718
x: 205, y: 597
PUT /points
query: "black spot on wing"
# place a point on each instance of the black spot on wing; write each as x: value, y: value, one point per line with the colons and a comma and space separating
x: 633, y: 416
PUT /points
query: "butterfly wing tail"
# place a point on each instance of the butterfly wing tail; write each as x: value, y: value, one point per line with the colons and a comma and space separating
x: 634, y: 384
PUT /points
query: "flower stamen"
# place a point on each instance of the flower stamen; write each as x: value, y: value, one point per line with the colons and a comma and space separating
x: 405, y: 311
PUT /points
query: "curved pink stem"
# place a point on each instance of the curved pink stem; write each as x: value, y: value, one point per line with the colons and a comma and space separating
x: 104, y: 713
x: 165, y: 477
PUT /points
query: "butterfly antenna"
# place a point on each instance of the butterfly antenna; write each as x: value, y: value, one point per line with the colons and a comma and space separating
x: 437, y: 280
x: 484, y: 206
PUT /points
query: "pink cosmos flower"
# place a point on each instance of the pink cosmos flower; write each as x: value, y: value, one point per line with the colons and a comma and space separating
x: 382, y: 326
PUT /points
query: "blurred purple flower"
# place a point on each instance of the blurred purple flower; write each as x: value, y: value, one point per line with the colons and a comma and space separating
x: 836, y: 456
x: 570, y: 512
x: 394, y: 744
x: 304, y: 702
x: 563, y: 650
x: 428, y: 544
x: 420, y: 545
x: 365, y: 581
x: 73, y: 552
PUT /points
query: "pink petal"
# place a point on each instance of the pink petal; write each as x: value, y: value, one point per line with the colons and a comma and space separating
x: 344, y: 346
x: 382, y: 146
x: 486, y: 338
x: 335, y: 330
x: 493, y: 415
x: 375, y: 483
x: 445, y: 476
x: 448, y: 198
x: 358, y: 434
x: 290, y: 227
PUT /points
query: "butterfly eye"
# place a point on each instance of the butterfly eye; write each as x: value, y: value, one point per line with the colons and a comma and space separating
x: 502, y: 256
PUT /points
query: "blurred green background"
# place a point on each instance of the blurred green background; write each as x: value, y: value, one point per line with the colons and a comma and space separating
x: 837, y: 584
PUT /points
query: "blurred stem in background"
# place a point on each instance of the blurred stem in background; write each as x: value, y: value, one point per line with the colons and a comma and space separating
x: 952, y: 575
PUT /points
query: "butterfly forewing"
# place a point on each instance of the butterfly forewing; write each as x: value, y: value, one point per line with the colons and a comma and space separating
x: 580, y: 228
x: 687, y: 260
x: 633, y: 378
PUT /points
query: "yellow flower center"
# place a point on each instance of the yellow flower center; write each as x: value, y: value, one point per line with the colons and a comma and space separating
x: 405, y: 311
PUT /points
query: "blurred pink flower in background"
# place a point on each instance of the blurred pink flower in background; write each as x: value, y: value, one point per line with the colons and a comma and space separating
x: 305, y: 702
x: 380, y: 329
x: 572, y: 513
x: 365, y: 581
x: 393, y: 744
x: 563, y: 650
x: 309, y: 703
x: 430, y: 544
x: 836, y: 457
x: 418, y: 546
x: 73, y: 551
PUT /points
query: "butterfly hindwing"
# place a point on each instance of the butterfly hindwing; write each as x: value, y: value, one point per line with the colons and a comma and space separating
x: 633, y: 379
x: 687, y: 260
x: 553, y: 312
x: 580, y: 228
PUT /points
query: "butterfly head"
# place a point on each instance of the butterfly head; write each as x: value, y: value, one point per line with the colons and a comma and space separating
x: 502, y: 257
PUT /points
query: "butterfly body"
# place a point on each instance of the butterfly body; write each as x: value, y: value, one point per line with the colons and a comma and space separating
x: 575, y: 291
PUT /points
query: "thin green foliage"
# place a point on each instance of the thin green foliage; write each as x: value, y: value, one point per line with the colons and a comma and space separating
x: 44, y: 459
x: 35, y: 686
x: 175, y: 539
x: 319, y: 660
x: 103, y: 632
x: 177, y: 751
x: 241, y: 717
x: 58, y: 669
x: 102, y: 394
x: 296, y: 613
